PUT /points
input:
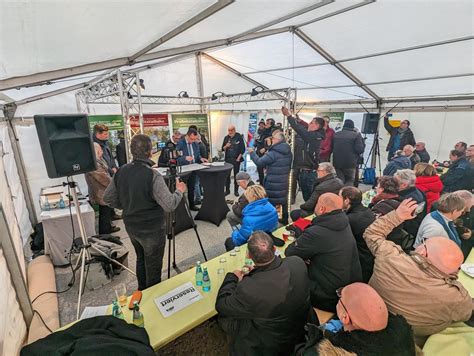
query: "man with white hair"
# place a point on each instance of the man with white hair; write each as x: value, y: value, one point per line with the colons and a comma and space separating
x: 406, y: 178
x: 234, y: 148
x: 327, y: 182
x: 410, y: 153
x: 420, y: 149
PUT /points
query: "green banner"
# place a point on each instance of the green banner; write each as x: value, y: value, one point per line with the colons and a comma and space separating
x: 333, y: 116
x: 113, y: 122
x: 181, y: 122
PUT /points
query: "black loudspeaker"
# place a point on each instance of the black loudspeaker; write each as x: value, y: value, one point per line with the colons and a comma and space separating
x: 66, y: 144
x: 370, y: 123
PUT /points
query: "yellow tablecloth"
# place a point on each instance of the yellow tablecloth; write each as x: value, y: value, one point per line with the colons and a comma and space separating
x: 164, y: 330
x: 458, y: 339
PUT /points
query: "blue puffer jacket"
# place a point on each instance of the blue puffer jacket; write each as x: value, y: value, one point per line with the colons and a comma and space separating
x: 400, y: 162
x: 258, y: 215
x: 277, y: 161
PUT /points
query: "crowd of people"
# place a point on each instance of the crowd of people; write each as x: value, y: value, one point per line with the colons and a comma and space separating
x: 372, y: 266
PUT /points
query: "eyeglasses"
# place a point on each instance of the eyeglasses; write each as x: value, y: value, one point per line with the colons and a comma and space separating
x: 339, y: 295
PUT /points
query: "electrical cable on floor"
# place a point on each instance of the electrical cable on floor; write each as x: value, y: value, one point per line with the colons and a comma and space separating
x: 42, y: 320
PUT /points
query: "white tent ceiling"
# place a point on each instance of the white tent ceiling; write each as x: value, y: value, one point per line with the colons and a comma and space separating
x: 336, y: 50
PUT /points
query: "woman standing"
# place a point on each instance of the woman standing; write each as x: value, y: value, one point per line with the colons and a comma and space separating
x: 97, y: 181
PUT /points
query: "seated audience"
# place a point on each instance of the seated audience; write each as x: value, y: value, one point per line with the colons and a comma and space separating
x: 398, y: 161
x: 422, y: 286
x: 97, y: 182
x: 365, y: 327
x: 330, y: 249
x: 440, y: 223
x: 387, y: 197
x: 420, y: 149
x: 428, y: 181
x: 234, y: 216
x: 259, y: 214
x: 458, y: 176
x: 264, y: 312
x: 410, y: 153
x: 327, y: 182
x: 359, y: 218
x: 407, y: 179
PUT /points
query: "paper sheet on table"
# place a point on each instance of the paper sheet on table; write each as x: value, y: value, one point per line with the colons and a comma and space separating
x: 218, y: 164
x: 90, y: 312
x: 177, y: 299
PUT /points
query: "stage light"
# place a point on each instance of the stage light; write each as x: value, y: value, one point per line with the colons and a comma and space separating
x: 255, y: 91
x: 142, y: 84
x: 215, y: 96
x: 129, y: 95
x: 183, y: 94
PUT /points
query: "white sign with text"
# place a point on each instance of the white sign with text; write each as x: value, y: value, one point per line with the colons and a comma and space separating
x: 177, y: 299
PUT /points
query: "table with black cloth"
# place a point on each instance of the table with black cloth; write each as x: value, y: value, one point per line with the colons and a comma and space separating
x: 214, y: 207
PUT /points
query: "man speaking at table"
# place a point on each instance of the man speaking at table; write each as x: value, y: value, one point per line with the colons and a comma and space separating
x: 264, y: 312
x: 144, y: 197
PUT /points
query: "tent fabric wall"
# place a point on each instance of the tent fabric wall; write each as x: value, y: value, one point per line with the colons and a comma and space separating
x: 14, y: 184
x: 37, y: 176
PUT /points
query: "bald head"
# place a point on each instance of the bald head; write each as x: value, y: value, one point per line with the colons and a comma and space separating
x: 443, y: 253
x: 328, y: 202
x: 360, y: 307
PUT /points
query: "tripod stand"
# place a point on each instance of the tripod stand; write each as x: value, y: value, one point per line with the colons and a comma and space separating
x: 374, y: 154
x: 84, y: 254
x: 171, y: 222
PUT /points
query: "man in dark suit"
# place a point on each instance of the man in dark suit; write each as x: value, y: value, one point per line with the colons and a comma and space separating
x: 264, y: 312
x: 190, y: 148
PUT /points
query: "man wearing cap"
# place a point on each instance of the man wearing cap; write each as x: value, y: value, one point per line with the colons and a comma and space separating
x: 348, y: 146
x: 234, y: 217
x: 365, y: 327
x: 422, y: 286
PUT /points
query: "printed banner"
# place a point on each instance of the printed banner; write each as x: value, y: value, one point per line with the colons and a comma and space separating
x: 113, y: 122
x: 253, y: 119
x: 181, y: 122
x: 177, y: 299
x: 333, y: 116
x: 155, y: 126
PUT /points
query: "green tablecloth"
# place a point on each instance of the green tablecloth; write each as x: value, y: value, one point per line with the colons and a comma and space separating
x: 458, y: 339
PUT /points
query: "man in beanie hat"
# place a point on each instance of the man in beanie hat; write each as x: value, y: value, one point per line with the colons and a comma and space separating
x: 347, y: 148
x: 234, y: 216
x: 365, y: 327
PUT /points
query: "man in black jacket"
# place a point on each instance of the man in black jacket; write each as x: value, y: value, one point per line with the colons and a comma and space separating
x: 420, y: 149
x: 459, y: 175
x: 360, y: 218
x: 174, y: 139
x: 399, y: 136
x: 264, y: 312
x: 327, y: 182
x: 101, y: 136
x: 234, y: 148
x: 144, y: 197
x: 331, y: 251
x: 312, y: 134
x: 348, y: 145
x: 259, y: 145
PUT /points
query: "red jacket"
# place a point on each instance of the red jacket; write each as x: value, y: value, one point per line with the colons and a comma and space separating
x: 326, y: 146
x: 432, y: 187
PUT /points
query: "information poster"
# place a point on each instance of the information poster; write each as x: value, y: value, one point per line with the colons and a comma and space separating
x: 182, y: 122
x: 155, y: 126
x: 335, y: 119
x: 252, y: 129
x: 113, y: 122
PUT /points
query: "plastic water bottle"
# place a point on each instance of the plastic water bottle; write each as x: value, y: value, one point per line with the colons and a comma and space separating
x: 138, y: 318
x: 206, y: 281
x: 199, y: 274
x: 62, y: 205
x: 47, y: 206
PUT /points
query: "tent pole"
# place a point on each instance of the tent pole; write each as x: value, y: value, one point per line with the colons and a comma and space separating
x: 139, y: 98
x: 20, y: 164
x: 126, y: 121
